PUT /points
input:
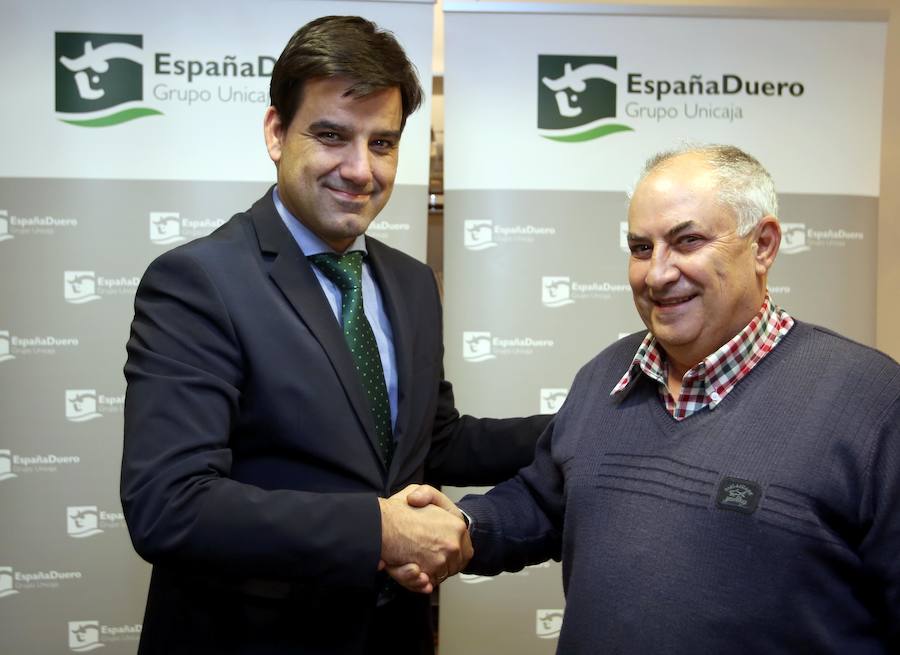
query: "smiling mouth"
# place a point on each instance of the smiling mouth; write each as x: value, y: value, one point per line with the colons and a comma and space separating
x: 672, y: 302
x: 351, y: 195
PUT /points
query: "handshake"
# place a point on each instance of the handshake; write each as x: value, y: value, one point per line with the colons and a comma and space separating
x: 424, y: 539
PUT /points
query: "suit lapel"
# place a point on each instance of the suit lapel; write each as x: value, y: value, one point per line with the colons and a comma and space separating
x: 393, y: 297
x: 292, y: 273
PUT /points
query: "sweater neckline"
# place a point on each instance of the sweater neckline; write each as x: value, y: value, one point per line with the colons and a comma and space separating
x: 667, y: 422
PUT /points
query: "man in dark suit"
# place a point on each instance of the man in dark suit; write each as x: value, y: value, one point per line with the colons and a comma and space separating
x: 285, y: 385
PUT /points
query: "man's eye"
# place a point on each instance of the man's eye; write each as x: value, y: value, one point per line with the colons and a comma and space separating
x: 329, y: 136
x: 382, y: 144
x: 690, y: 240
x: 640, y: 250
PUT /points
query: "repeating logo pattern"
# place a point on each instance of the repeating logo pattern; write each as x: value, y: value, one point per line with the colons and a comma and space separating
x: 81, y: 405
x: 477, y: 346
x: 483, y: 346
x: 82, y: 521
x: 165, y: 228
x: 6, y: 582
x: 548, y: 623
x: 15, y: 465
x: 556, y: 291
x: 6, y: 471
x: 87, y: 286
x: 562, y: 290
x: 793, y: 238
x: 5, y: 350
x: 4, y: 226
x: 86, y: 404
x: 84, y: 636
x: 482, y: 234
x: 479, y: 235
x: 552, y: 400
x: 80, y: 287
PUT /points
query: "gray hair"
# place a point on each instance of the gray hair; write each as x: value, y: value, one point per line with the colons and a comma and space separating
x: 743, y: 184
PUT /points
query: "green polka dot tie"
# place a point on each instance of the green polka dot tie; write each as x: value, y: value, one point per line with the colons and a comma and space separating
x: 346, y: 272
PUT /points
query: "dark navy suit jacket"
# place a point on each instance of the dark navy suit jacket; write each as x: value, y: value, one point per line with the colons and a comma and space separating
x: 251, y: 471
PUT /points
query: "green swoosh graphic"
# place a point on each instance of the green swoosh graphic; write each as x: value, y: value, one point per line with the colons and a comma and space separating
x: 115, y: 119
x: 596, y: 133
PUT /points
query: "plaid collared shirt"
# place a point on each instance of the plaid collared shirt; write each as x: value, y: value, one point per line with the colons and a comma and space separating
x: 707, y: 384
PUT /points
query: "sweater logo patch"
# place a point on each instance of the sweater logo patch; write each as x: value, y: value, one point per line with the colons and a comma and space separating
x: 738, y: 495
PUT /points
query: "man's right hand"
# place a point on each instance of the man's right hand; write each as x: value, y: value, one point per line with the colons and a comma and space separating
x: 423, y: 539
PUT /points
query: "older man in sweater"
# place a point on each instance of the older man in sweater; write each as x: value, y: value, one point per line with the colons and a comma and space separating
x: 728, y: 481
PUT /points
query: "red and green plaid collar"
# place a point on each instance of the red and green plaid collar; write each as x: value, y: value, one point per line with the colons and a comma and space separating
x: 711, y: 380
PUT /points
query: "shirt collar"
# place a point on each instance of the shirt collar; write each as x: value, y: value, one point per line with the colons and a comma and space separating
x: 308, y: 241
x: 721, y: 370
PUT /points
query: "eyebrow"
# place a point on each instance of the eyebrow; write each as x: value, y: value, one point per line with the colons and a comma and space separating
x: 337, y: 127
x: 669, y: 233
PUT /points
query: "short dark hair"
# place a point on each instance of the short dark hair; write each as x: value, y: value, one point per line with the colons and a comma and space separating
x: 346, y: 46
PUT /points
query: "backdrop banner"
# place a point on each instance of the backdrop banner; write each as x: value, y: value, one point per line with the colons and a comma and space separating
x: 127, y: 129
x: 549, y: 118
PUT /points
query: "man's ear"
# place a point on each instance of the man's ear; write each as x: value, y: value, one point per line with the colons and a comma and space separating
x: 766, y: 241
x: 274, y: 131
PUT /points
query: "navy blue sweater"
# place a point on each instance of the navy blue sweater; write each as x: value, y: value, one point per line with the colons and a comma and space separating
x: 768, y: 525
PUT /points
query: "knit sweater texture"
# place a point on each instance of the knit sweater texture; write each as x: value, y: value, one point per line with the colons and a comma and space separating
x: 770, y: 524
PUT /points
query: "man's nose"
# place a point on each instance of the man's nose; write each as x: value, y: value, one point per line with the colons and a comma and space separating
x: 663, y: 270
x: 356, y: 166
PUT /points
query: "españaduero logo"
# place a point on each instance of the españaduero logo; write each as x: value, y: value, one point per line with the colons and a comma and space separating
x: 798, y: 237
x: 13, y: 582
x: 82, y: 521
x: 12, y: 346
x: 86, y: 404
x: 552, y: 400
x: 477, y: 346
x: 165, y: 228
x: 81, y: 405
x: 556, y: 291
x: 5, y: 351
x: 793, y: 238
x: 478, y: 235
x: 548, y: 623
x: 581, y: 97
x: 6, y: 582
x: 6, y: 472
x: 87, y: 286
x: 80, y: 287
x: 577, y: 97
x: 483, y: 346
x: 84, y: 636
x: 481, y: 234
x: 13, y: 465
x: 4, y: 226
x: 100, y: 79
x: 562, y: 290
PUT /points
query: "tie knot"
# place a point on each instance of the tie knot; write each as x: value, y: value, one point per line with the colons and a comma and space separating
x: 344, y: 270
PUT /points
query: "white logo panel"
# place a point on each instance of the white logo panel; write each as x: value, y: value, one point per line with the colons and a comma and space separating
x: 548, y: 623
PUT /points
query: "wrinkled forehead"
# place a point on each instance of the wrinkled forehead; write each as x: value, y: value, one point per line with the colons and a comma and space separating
x: 676, y: 192
x: 688, y: 170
